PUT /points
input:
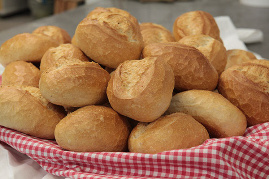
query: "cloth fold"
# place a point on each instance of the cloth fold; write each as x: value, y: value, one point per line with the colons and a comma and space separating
x: 250, y: 35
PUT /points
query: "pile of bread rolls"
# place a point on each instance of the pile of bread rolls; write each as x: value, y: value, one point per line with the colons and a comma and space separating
x: 118, y: 85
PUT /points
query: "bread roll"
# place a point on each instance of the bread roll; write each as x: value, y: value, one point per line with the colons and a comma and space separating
x: 99, y: 10
x: 154, y: 33
x: 219, y: 116
x: 25, y: 47
x: 75, y: 84
x: 93, y: 129
x: 25, y: 110
x: 247, y: 87
x: 141, y: 89
x: 170, y: 132
x: 191, y: 68
x: 109, y: 39
x: 194, y: 23
x: 56, y: 33
x: 211, y: 48
x: 21, y: 73
x: 238, y: 56
x: 74, y: 41
x: 57, y: 56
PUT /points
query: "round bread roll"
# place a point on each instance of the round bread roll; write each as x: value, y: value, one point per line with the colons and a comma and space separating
x: 21, y: 73
x: 25, y: 110
x: 57, y: 56
x: 93, y: 129
x: 56, y: 33
x: 194, y: 23
x: 25, y: 47
x: 109, y: 39
x: 170, y: 132
x: 219, y: 116
x: 247, y: 87
x: 211, y: 48
x: 141, y: 89
x: 238, y: 56
x: 191, y: 68
x: 154, y: 33
x: 75, y: 84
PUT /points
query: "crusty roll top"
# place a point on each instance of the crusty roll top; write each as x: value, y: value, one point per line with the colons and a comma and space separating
x: 247, y: 87
x: 195, y: 22
x: 93, y: 129
x: 141, y: 89
x: 154, y: 33
x: 109, y: 39
x: 56, y: 33
x: 191, y: 68
x: 25, y: 110
x: 99, y: 10
x: 211, y: 48
x: 87, y: 84
x: 26, y: 47
x: 220, y: 117
x: 170, y: 132
x: 63, y: 54
x: 21, y: 73
x: 133, y: 77
x: 238, y: 56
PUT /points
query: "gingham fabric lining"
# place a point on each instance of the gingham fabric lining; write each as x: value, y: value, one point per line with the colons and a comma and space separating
x: 235, y: 157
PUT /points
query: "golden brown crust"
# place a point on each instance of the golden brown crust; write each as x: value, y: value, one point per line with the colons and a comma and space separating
x: 56, y: 33
x: 93, y: 129
x: 211, y: 48
x: 63, y: 54
x: 195, y: 22
x: 99, y: 10
x: 109, y: 39
x: 74, y: 41
x: 170, y: 132
x: 154, y: 33
x: 191, y: 68
x: 75, y: 84
x: 238, y: 56
x: 247, y: 87
x: 219, y: 116
x: 141, y: 89
x: 25, y: 47
x: 25, y: 110
x: 21, y: 73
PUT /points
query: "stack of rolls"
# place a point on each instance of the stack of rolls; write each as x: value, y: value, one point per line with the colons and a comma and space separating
x: 122, y: 86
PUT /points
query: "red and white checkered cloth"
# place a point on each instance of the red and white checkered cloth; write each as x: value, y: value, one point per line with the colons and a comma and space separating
x: 235, y: 157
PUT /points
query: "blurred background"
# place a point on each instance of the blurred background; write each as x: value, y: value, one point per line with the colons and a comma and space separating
x: 19, y: 16
x: 17, y: 12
